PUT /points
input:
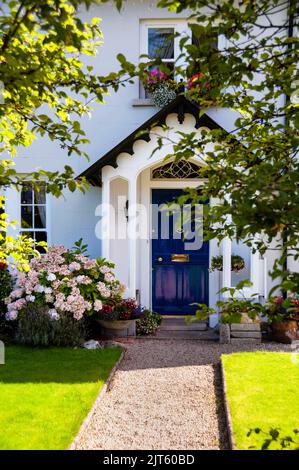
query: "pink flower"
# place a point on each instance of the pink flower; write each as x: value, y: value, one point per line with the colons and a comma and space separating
x: 90, y: 264
x: 104, y: 269
x: 109, y: 277
x: 98, y: 305
x: 15, y: 294
x: 83, y: 279
x: 49, y: 298
x: 12, y: 315
x: 104, y: 291
x: 53, y: 314
x: 74, y: 266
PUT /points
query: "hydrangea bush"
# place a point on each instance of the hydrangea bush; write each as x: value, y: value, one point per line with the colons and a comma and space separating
x: 65, y: 282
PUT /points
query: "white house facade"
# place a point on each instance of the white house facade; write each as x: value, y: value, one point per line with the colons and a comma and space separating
x: 115, y: 217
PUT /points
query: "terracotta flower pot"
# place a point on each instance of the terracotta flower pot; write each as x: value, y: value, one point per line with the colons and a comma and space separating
x: 285, y: 331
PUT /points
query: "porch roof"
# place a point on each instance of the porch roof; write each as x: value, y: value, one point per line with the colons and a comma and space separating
x: 181, y: 105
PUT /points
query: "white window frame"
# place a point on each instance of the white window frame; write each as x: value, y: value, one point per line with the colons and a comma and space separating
x: 179, y: 25
x: 33, y: 229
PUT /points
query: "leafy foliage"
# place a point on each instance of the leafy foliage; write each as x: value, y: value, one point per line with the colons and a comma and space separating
x: 149, y: 323
x: 5, y: 285
x: 235, y: 309
x: 6, y: 330
x: 202, y: 313
x: 18, y: 249
x: 46, y: 90
x: 252, y: 170
x: 274, y: 435
x: 279, y: 309
x: 36, y: 328
x: 238, y: 306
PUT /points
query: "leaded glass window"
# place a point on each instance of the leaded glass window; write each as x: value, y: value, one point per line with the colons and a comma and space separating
x: 183, y: 169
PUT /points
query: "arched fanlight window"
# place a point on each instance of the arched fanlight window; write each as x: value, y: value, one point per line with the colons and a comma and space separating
x: 183, y: 169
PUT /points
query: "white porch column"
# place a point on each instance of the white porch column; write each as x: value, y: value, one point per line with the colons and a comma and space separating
x: 226, y: 270
x: 132, y: 217
x: 106, y: 219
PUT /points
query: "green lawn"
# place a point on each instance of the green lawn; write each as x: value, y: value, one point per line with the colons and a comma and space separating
x: 263, y: 392
x: 46, y: 393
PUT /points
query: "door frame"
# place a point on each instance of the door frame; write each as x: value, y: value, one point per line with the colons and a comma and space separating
x: 145, y: 186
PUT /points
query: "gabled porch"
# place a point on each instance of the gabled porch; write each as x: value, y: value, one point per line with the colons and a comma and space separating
x: 133, y: 177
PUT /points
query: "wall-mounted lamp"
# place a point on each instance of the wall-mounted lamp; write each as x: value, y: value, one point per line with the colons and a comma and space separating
x: 126, y: 209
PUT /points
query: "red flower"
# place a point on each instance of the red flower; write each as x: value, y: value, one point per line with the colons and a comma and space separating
x: 196, y: 81
x: 107, y: 308
x: 3, y: 265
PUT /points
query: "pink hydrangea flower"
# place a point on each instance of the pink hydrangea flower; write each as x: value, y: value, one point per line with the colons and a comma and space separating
x: 12, y: 315
x: 98, y: 305
x: 74, y: 266
x: 53, y: 314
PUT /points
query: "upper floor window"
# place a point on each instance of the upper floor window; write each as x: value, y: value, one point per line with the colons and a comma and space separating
x: 158, y: 40
x: 33, y: 213
x: 161, y: 38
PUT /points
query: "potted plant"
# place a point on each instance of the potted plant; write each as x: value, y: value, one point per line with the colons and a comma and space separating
x: 161, y: 87
x: 239, y: 316
x: 283, y: 317
x: 237, y: 263
x: 117, y: 316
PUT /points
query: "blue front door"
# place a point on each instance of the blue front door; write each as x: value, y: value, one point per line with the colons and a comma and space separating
x: 180, y: 276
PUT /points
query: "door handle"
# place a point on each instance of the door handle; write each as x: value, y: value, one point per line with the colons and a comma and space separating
x: 160, y: 259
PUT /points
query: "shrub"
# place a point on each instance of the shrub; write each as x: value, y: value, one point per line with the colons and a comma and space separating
x: 280, y: 309
x: 149, y: 323
x: 51, y: 302
x: 35, y: 327
x: 5, y: 286
x: 7, y: 329
x: 64, y: 282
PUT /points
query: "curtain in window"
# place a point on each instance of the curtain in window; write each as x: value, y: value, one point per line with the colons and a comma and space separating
x: 40, y: 210
x: 161, y: 43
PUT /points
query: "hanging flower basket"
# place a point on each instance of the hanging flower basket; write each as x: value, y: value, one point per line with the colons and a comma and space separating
x: 237, y: 263
x: 161, y: 87
x: 163, y: 95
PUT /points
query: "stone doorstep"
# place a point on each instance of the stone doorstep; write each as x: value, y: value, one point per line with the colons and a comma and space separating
x: 167, y: 327
x: 246, y: 334
x: 245, y: 340
x: 245, y: 327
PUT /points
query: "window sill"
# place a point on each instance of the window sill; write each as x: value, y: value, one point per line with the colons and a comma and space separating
x: 143, y: 102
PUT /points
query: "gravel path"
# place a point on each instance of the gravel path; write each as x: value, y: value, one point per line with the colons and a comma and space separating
x: 165, y: 395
